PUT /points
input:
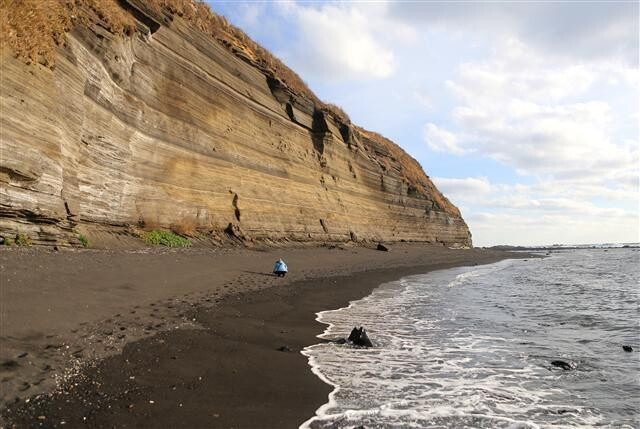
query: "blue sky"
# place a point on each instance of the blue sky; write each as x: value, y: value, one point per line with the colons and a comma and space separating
x: 525, y: 114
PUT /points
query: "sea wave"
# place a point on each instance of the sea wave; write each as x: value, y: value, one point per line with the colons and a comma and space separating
x: 472, y: 347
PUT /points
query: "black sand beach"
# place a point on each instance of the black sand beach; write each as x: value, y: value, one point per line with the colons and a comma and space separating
x: 201, y: 332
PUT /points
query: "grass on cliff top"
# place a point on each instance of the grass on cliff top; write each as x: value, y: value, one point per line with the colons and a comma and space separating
x: 412, y: 171
x: 34, y: 28
x: 165, y: 238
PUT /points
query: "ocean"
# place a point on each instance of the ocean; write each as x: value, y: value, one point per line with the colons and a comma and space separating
x: 473, y: 346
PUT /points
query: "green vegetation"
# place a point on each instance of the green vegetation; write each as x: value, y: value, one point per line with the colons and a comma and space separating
x: 22, y: 240
x: 165, y: 238
x: 83, y: 240
x: 8, y: 241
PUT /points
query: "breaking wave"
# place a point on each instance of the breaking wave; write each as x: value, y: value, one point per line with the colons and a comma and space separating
x: 471, y: 347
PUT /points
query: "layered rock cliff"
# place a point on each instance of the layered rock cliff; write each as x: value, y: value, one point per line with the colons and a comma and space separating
x: 160, y: 125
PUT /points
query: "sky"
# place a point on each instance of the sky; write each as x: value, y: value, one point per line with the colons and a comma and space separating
x: 524, y: 114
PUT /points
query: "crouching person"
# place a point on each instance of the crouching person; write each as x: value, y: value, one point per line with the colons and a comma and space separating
x: 280, y: 268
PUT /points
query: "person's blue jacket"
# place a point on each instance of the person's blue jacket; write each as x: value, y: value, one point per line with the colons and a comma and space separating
x: 280, y: 266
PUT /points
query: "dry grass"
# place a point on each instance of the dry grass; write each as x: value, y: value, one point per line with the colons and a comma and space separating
x: 34, y: 28
x: 411, y: 171
x: 336, y: 111
x: 186, y: 227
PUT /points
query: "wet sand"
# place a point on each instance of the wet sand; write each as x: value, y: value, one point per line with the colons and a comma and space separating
x: 189, y: 338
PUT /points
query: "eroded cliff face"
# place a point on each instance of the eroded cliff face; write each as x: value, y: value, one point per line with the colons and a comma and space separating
x: 168, y: 128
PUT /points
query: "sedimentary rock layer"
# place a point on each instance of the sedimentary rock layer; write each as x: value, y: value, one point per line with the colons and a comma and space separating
x: 169, y: 129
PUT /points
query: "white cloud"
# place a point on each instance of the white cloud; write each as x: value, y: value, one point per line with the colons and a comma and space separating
x: 562, y: 140
x: 442, y: 140
x: 524, y: 229
x: 423, y: 98
x: 541, y: 213
x: 344, y: 41
x: 463, y: 188
x: 535, y: 117
x: 583, y: 30
x: 514, y: 69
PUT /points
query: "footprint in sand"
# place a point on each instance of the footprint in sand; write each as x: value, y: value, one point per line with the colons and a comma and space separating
x: 10, y: 365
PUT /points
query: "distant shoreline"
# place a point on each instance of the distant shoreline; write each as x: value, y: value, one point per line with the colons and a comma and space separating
x: 222, y: 368
x: 566, y: 247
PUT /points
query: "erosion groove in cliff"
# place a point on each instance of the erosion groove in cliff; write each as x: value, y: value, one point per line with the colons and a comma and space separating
x: 167, y: 127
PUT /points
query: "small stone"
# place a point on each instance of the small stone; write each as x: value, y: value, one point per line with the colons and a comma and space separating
x: 284, y: 349
x: 53, y: 346
x: 627, y: 349
x: 382, y: 247
x: 42, y: 418
x: 567, y: 366
x: 151, y: 402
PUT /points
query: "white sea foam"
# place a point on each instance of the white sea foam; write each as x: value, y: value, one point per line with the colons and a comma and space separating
x: 447, y: 354
x: 479, y: 271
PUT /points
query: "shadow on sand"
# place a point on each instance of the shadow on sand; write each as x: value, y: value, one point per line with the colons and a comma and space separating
x: 260, y: 274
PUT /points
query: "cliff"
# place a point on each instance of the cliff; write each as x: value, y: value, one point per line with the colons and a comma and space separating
x: 131, y: 115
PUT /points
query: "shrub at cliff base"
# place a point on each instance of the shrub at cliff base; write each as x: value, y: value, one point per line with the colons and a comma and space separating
x: 165, y: 238
x: 83, y: 240
x: 22, y: 240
